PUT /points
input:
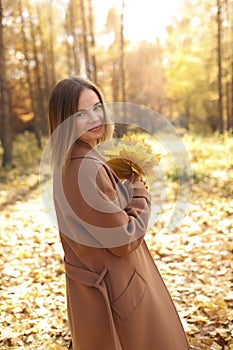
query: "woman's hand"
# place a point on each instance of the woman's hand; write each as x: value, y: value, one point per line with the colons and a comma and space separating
x: 136, y: 178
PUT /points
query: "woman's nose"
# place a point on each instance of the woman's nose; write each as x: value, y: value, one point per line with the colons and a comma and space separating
x: 93, y: 115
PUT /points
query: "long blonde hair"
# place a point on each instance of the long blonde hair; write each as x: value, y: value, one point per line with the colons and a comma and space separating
x: 63, y: 104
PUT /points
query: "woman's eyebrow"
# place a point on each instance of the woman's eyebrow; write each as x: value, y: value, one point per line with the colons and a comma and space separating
x: 83, y: 109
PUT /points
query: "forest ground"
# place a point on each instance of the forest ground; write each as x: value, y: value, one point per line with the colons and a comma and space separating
x: 195, y: 260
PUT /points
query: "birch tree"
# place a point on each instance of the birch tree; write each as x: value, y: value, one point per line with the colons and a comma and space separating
x: 6, y: 119
x: 219, y: 60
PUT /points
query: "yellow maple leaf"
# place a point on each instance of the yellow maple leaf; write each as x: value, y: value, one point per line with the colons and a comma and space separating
x: 132, y: 155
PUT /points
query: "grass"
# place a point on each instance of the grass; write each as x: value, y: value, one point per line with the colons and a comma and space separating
x: 210, y: 157
x: 16, y: 182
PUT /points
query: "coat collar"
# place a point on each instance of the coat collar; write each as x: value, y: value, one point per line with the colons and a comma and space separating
x: 82, y: 149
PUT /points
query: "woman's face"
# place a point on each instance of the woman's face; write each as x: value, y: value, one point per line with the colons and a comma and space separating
x: 90, y: 117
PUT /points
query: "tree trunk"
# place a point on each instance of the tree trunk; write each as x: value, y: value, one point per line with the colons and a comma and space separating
x: 93, y: 60
x: 122, y: 51
x: 68, y: 48
x: 219, y: 50
x: 228, y: 64
x: 122, y: 128
x: 228, y: 107
x: 6, y: 120
x: 72, y: 46
x: 232, y: 96
x: 46, y: 83
x: 51, y: 45
x: 41, y: 113
x: 28, y: 75
x: 85, y: 42
x: 231, y: 70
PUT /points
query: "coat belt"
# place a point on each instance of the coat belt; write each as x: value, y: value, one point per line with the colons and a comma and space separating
x: 93, y: 279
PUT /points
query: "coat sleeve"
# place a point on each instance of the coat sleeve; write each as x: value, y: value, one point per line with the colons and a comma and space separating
x: 119, y: 214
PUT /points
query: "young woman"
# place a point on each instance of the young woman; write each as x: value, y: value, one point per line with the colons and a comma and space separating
x: 116, y: 297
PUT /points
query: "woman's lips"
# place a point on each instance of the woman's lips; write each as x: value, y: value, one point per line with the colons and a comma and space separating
x: 96, y: 128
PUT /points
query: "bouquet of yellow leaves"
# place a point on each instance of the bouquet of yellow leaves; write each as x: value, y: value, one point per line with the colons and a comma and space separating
x: 132, y: 155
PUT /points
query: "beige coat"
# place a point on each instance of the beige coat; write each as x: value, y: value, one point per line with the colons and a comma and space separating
x: 116, y: 297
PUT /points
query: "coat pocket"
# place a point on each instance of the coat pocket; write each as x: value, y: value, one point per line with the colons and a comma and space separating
x: 129, y: 300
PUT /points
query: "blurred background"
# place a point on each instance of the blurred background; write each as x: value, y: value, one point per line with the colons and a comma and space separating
x: 172, y: 57
x: 175, y: 57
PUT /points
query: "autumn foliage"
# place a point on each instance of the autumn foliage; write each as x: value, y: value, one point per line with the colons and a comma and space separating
x: 195, y: 260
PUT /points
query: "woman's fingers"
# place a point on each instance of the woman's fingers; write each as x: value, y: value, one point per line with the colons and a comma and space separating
x: 135, y: 177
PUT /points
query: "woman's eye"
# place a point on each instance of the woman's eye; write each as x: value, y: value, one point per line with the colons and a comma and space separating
x: 98, y: 108
x: 80, y: 114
